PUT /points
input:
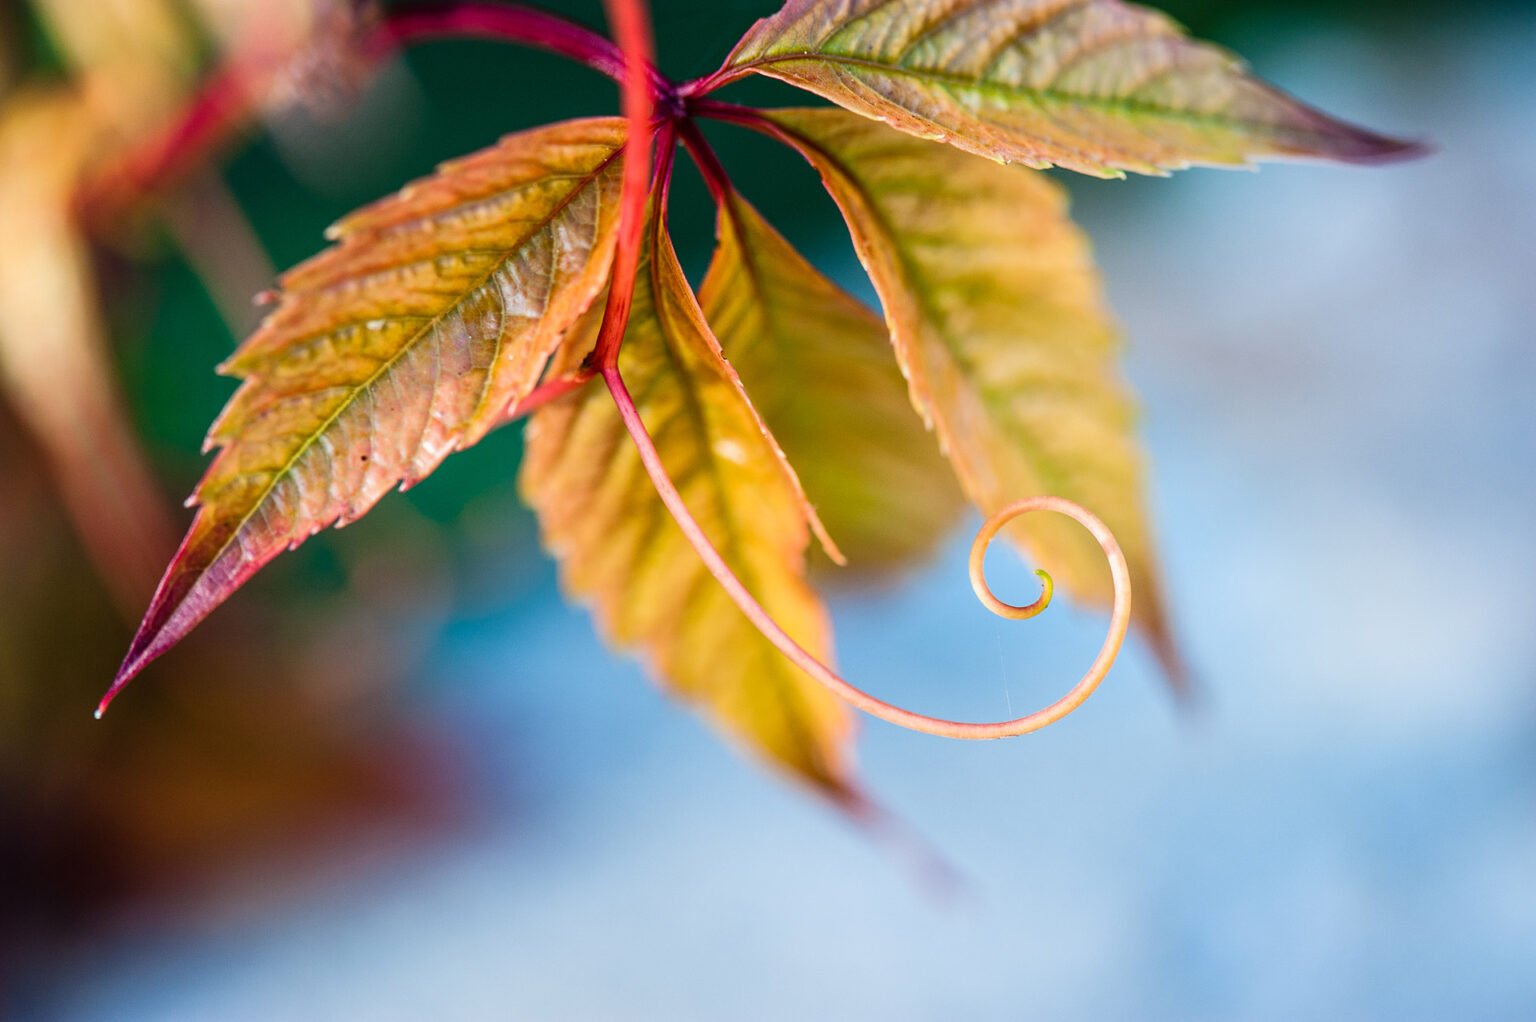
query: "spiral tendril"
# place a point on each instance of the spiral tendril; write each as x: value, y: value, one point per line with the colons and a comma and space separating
x: 1120, y: 611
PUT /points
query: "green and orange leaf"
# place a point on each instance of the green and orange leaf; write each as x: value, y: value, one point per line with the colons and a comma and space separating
x: 999, y: 323
x: 407, y: 341
x: 1097, y: 86
x: 621, y: 553
x: 819, y: 367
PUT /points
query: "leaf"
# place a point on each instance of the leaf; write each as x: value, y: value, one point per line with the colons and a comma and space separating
x: 1097, y: 86
x: 818, y: 365
x: 995, y: 310
x: 620, y: 551
x: 55, y: 369
x: 405, y: 342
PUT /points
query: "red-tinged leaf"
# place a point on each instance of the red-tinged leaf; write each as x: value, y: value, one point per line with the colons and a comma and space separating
x: 1098, y: 86
x: 405, y: 342
x: 620, y: 552
x: 819, y: 367
x: 997, y: 316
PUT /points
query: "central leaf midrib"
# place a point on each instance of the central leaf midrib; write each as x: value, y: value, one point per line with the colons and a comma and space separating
x: 786, y: 352
x: 1047, y: 93
x: 694, y: 408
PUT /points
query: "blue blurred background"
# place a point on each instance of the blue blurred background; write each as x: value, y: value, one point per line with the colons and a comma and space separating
x: 452, y: 802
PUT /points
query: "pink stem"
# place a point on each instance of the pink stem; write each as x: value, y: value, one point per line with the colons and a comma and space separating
x: 1120, y: 616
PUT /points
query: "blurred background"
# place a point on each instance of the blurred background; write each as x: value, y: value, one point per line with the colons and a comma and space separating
x: 397, y: 777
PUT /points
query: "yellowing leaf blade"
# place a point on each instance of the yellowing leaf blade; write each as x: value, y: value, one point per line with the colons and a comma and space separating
x: 995, y: 310
x: 621, y: 553
x: 1097, y: 86
x: 408, y: 340
x: 819, y: 367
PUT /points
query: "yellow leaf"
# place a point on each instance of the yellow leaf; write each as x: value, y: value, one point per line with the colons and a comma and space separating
x: 405, y: 342
x: 1097, y: 86
x: 620, y: 552
x: 819, y: 367
x: 995, y: 310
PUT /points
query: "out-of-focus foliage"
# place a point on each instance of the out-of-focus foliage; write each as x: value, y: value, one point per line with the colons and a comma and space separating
x: 252, y: 746
x: 129, y: 60
x: 53, y: 361
x: 247, y: 747
x: 132, y: 66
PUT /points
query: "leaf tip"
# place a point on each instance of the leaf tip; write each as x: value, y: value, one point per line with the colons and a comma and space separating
x: 1350, y: 143
x: 1369, y: 148
x: 133, y: 663
x: 1393, y: 150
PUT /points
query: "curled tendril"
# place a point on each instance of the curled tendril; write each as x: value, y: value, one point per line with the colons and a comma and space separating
x: 1120, y: 612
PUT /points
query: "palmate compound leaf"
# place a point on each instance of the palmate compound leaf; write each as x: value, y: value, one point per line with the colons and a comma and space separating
x: 819, y: 367
x: 1097, y: 86
x: 405, y: 342
x: 995, y: 310
x: 621, y: 552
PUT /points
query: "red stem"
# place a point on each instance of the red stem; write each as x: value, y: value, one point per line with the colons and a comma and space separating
x: 632, y: 27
